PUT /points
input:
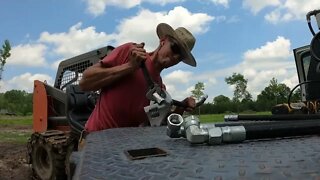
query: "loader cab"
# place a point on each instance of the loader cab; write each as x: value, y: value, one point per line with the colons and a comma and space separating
x: 78, y: 104
x: 308, y: 72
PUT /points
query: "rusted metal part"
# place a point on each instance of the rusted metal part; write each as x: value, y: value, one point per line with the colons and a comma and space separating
x: 59, y: 143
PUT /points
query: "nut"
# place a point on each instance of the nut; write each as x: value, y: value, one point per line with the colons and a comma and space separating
x: 215, y: 136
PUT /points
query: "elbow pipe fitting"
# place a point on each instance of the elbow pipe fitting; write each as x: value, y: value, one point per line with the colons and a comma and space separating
x: 194, y: 133
x: 188, y: 127
x: 191, y: 129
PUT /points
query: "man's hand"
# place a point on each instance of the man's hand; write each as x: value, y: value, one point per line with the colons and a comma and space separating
x: 190, y: 103
x: 137, y: 55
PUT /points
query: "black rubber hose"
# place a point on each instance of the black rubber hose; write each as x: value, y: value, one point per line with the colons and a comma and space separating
x: 284, y: 129
x: 285, y: 117
x: 272, y: 129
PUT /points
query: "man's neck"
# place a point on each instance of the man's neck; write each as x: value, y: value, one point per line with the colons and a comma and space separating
x: 156, y: 65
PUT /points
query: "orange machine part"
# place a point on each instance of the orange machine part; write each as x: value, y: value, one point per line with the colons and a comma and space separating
x: 40, y: 107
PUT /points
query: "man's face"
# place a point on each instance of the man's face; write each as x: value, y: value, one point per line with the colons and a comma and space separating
x: 169, y: 54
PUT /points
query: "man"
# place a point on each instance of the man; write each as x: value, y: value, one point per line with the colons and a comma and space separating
x: 122, y: 82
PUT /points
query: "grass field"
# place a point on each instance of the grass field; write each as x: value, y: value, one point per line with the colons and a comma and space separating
x: 15, y: 129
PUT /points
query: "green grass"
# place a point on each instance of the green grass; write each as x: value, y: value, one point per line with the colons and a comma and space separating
x: 15, y: 137
x: 209, y: 118
x: 15, y: 120
x: 15, y: 129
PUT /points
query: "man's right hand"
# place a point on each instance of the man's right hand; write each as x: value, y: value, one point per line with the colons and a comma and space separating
x: 137, y: 55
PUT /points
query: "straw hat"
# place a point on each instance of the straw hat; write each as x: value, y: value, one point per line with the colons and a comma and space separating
x: 184, y: 38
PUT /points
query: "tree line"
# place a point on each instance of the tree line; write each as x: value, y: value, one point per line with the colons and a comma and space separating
x: 16, y: 102
x: 242, y: 101
x: 20, y: 102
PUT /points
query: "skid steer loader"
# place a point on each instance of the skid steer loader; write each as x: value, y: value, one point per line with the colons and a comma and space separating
x: 273, y: 147
x: 59, y: 114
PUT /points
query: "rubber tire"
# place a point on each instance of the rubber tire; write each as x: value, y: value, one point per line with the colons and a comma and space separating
x: 46, y: 164
x: 70, y: 167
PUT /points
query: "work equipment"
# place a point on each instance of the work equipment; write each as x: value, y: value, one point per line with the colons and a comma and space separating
x: 59, y: 114
x: 61, y: 110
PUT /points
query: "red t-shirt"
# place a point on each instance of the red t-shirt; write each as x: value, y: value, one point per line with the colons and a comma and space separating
x: 122, y: 103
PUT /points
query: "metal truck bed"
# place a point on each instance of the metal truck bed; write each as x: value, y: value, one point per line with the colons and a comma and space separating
x: 105, y: 156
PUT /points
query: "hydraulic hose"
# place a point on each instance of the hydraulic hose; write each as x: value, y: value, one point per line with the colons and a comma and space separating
x: 212, y: 134
x: 279, y: 117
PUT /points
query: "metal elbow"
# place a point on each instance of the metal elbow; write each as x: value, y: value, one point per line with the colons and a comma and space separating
x: 194, y: 133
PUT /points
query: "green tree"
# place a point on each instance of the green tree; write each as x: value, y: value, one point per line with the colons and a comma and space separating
x: 240, y: 92
x: 222, y: 104
x: 18, y: 101
x: 221, y: 99
x: 4, y: 55
x: 273, y: 94
x: 296, y: 95
x: 197, y: 92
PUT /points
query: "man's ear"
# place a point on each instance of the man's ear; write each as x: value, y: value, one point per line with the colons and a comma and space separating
x: 162, y: 41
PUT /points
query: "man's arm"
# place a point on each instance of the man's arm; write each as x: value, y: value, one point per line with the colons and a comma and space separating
x: 98, y: 76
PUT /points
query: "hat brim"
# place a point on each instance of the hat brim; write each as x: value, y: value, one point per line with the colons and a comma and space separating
x: 163, y: 30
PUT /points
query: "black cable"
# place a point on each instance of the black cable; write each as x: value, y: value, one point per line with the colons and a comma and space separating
x: 289, y: 97
x: 311, y: 29
x: 276, y: 117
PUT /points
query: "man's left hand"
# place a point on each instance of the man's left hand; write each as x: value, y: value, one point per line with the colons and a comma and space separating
x: 190, y: 103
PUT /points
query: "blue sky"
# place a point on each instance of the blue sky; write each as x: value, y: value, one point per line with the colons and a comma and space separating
x: 254, y: 38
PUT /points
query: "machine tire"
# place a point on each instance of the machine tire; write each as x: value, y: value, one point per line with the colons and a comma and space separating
x: 48, y: 157
x: 70, y: 167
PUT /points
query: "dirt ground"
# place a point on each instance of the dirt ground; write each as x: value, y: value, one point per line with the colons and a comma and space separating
x: 13, y: 159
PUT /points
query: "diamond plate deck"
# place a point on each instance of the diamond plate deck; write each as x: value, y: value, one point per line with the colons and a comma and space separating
x: 104, y: 157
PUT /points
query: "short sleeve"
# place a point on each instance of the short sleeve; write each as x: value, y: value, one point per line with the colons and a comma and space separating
x: 118, y: 56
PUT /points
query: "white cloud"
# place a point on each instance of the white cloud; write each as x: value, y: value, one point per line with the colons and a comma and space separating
x: 291, y: 80
x: 24, y: 82
x: 273, y: 59
x: 162, y: 2
x: 98, y: 7
x: 224, y: 3
x: 130, y: 29
x: 271, y: 51
x: 180, y: 83
x: 28, y: 55
x: 76, y: 40
x: 178, y: 77
x: 285, y: 10
x: 55, y: 65
x: 259, y: 66
x: 256, y: 6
